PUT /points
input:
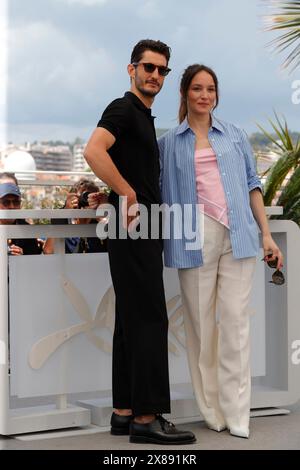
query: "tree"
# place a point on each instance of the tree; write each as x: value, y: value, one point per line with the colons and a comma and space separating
x: 78, y: 141
x: 286, y: 20
x: 287, y: 165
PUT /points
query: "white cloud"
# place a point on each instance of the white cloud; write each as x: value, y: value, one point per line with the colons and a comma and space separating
x: 66, y: 63
x: 3, y: 68
x: 181, y: 33
x: 20, y: 133
x: 149, y: 10
x: 52, y: 74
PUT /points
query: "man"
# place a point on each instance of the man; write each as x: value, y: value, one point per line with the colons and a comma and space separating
x: 77, y: 198
x: 10, y: 198
x: 123, y: 152
x: 8, y: 177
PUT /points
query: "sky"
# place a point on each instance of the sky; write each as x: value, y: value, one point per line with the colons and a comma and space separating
x: 67, y: 59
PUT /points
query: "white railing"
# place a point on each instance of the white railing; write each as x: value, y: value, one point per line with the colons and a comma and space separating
x: 74, y: 176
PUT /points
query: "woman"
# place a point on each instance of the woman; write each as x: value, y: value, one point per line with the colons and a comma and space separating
x: 209, y: 162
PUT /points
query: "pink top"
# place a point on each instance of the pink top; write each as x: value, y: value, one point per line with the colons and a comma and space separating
x: 210, y: 189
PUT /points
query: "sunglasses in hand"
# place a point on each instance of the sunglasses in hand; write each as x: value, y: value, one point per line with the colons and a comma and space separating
x: 277, y: 277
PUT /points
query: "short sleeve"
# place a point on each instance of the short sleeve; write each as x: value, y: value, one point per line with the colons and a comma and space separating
x: 116, y: 118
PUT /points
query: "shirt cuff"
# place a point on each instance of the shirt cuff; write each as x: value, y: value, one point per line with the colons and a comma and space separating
x: 255, y: 183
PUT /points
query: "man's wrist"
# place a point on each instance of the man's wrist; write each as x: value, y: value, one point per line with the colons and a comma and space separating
x: 130, y: 194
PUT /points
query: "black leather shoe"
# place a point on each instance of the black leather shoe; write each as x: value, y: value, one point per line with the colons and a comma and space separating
x: 159, y: 431
x: 120, y: 425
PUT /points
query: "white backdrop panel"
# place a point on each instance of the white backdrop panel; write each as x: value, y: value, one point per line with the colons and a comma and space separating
x: 40, y: 307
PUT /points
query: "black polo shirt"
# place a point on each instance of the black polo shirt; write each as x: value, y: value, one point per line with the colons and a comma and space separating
x: 135, y: 151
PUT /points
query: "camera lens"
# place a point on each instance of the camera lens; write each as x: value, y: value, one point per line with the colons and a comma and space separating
x: 83, y: 199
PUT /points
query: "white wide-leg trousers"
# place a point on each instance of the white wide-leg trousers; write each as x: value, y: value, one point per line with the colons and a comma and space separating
x: 215, y: 299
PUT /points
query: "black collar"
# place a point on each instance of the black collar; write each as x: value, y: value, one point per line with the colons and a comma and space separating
x: 137, y: 102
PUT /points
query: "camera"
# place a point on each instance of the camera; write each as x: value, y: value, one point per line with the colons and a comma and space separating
x: 83, y: 199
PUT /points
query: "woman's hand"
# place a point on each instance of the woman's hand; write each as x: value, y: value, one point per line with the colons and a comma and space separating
x: 270, y: 247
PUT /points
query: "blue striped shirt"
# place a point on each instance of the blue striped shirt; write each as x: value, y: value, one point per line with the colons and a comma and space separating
x: 237, y: 168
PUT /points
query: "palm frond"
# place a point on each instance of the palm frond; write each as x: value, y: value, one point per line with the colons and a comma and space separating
x: 277, y: 175
x: 293, y: 211
x: 284, y: 141
x: 290, y: 191
x: 289, y: 158
x: 264, y: 173
x: 286, y: 20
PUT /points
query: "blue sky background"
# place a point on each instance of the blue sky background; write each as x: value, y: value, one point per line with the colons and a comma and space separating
x: 67, y: 60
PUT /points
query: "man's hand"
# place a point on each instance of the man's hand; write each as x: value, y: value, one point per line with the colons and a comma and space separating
x: 130, y: 211
x: 41, y: 244
x: 95, y: 199
x: 71, y: 201
x: 15, y: 250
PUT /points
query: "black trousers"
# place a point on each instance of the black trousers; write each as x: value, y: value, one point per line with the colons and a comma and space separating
x: 140, y: 342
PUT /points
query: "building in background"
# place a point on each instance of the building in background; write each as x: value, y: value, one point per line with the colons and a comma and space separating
x: 79, y: 162
x: 52, y: 158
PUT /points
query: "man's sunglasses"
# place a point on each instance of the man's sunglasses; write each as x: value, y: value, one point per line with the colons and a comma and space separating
x: 149, y: 68
x: 277, y: 277
x: 7, y: 202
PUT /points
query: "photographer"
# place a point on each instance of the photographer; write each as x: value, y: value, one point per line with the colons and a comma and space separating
x: 10, y: 199
x: 78, y: 198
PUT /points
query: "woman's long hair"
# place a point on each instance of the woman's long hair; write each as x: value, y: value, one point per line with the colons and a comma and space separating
x: 186, y: 79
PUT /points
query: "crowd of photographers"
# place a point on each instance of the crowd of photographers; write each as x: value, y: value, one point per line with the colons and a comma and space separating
x: 83, y: 195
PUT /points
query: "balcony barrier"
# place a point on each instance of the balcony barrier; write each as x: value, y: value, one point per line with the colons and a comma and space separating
x: 57, y: 319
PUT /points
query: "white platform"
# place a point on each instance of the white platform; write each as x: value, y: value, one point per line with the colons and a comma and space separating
x: 41, y: 418
x: 183, y: 404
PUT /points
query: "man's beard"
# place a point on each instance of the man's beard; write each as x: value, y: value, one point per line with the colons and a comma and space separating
x: 143, y: 91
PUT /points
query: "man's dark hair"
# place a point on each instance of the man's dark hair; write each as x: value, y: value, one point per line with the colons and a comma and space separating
x: 149, y: 45
x: 7, y: 174
x: 84, y: 185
